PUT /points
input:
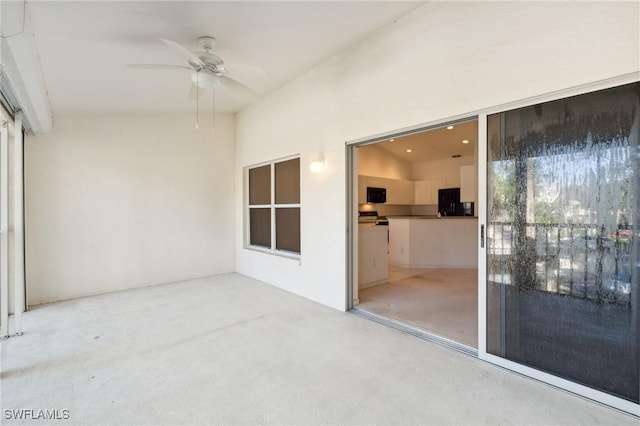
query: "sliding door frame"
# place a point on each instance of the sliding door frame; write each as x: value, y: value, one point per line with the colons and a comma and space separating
x: 573, y: 387
x: 4, y: 228
x: 481, y: 116
x: 351, y: 158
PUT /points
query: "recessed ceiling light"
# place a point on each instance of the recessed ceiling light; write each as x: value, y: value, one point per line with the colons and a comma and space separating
x: 465, y: 141
x: 408, y: 150
x: 449, y: 127
x: 391, y: 140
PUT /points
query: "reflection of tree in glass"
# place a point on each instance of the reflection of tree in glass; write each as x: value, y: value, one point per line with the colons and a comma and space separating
x: 584, y: 184
x: 503, y: 186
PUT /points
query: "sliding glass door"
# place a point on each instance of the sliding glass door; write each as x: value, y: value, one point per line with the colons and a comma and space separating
x: 562, y: 249
x: 4, y: 224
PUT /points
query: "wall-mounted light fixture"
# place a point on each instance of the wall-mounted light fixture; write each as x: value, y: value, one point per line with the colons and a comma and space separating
x: 317, y: 165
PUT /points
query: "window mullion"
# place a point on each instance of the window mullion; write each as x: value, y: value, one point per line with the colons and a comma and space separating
x: 274, y: 211
x: 273, y: 206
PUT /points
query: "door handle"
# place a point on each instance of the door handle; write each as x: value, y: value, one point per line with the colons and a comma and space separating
x: 481, y: 236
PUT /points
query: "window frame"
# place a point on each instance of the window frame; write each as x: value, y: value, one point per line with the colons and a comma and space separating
x: 272, y: 206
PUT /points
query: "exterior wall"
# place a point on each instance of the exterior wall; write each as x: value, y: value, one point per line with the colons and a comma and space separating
x: 125, y: 201
x: 443, y: 60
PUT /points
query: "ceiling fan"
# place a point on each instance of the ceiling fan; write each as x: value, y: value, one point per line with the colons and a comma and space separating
x: 207, y: 71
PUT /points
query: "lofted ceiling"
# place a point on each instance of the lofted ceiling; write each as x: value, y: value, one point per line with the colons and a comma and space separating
x: 436, y: 144
x: 84, y: 45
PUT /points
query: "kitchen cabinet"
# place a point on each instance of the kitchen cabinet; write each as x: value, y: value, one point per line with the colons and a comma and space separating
x: 393, y: 196
x: 433, y: 242
x: 373, y: 264
x: 423, y: 192
x: 399, y: 191
x: 405, y: 191
x: 363, y: 182
x: 452, y: 182
x: 426, y: 191
x: 467, y: 184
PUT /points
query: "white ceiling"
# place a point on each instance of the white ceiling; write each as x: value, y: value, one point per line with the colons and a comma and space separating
x: 84, y: 46
x: 436, y: 144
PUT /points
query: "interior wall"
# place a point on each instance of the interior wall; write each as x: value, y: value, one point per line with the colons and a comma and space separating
x: 376, y: 161
x: 123, y: 201
x: 447, y: 168
x: 443, y: 60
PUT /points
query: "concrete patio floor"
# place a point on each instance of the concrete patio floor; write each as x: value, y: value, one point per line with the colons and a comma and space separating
x: 232, y: 350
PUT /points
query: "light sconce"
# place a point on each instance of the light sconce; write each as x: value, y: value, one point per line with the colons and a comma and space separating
x: 317, y: 165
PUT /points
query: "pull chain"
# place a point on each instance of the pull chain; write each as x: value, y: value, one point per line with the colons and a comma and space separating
x: 197, y: 97
x: 213, y: 111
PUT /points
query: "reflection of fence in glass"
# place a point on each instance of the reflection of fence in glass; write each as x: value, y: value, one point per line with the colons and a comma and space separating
x: 579, y: 260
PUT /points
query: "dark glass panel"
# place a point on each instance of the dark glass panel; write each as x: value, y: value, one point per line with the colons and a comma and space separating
x: 288, y: 229
x: 260, y: 185
x: 260, y: 227
x: 562, y: 249
x: 288, y: 182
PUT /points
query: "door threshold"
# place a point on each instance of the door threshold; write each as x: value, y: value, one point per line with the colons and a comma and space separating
x: 417, y: 332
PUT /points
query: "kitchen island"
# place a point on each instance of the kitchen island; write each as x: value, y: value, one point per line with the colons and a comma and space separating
x: 433, y: 242
x: 373, y: 268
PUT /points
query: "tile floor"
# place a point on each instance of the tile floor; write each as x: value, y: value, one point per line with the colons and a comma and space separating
x: 441, y: 301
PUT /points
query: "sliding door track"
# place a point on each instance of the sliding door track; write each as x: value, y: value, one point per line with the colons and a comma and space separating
x: 414, y: 331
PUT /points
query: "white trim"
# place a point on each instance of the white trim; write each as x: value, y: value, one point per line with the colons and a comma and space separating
x: 419, y: 128
x: 18, y: 225
x: 568, y: 385
x: 481, y: 211
x: 582, y: 89
x: 461, y: 118
x: 580, y: 390
x: 4, y: 230
x: 21, y: 74
x: 351, y: 269
x: 282, y: 253
x: 272, y: 208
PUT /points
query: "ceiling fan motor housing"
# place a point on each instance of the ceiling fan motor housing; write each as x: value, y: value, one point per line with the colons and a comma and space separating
x: 211, y: 62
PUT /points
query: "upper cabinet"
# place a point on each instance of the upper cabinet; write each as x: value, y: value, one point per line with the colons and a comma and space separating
x: 399, y: 191
x: 426, y: 191
x: 467, y: 184
x: 363, y: 182
x: 421, y: 192
x: 403, y: 192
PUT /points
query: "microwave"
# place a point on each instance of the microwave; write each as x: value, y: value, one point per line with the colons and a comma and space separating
x: 376, y: 195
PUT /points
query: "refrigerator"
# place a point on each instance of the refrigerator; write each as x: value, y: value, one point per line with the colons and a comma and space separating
x: 449, y: 202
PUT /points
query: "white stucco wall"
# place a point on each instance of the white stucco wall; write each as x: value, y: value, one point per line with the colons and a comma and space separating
x: 123, y: 201
x: 445, y: 59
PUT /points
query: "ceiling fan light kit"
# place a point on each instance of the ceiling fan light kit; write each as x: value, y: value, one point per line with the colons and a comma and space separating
x: 204, y: 79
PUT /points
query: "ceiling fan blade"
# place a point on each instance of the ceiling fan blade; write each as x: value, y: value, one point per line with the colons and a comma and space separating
x: 238, y: 87
x: 156, y: 67
x: 176, y: 46
x: 195, y: 92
